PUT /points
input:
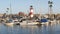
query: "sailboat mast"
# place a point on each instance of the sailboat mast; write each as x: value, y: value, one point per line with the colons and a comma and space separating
x: 10, y: 8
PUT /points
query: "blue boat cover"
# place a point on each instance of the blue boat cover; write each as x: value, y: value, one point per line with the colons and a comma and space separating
x: 43, y: 20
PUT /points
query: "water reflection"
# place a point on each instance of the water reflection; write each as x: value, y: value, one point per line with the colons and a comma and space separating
x: 35, y: 29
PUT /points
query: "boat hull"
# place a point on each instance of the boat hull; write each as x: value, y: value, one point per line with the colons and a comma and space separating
x: 34, y: 23
x: 44, y: 23
x: 9, y: 24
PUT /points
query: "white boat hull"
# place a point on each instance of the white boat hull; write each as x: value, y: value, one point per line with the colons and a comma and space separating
x: 9, y: 24
x: 44, y: 23
x: 34, y: 23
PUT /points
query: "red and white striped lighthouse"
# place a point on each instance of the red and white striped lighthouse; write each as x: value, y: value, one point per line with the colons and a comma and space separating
x: 31, y: 11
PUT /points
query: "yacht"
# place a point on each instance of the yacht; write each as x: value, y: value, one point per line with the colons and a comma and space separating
x: 9, y: 22
x: 12, y: 22
x: 28, y: 23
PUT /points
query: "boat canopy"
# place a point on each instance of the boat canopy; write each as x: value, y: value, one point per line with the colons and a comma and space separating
x: 44, y: 20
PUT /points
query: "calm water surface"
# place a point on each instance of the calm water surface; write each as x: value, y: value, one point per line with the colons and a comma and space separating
x: 35, y: 29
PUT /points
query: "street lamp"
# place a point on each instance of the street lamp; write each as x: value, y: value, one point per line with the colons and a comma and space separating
x: 50, y: 6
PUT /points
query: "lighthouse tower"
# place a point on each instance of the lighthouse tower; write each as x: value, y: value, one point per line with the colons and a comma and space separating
x: 31, y: 11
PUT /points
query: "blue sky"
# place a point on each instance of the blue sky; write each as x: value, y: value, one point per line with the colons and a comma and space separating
x: 40, y: 6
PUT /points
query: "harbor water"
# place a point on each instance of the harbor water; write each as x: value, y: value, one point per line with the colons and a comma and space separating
x: 34, y: 29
